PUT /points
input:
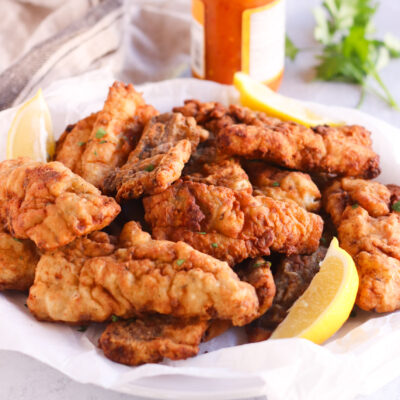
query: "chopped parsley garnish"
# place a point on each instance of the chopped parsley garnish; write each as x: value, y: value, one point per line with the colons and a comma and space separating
x: 396, y: 206
x: 149, y: 168
x: 180, y: 261
x: 82, y: 328
x: 114, y: 318
x: 259, y: 264
x: 275, y: 184
x: 80, y: 144
x: 215, y: 245
x: 355, y: 205
x: 100, y: 133
x: 103, y: 141
x: 95, y: 153
x: 201, y: 233
x: 17, y: 240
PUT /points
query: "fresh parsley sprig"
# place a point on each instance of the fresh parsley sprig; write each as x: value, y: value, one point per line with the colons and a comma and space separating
x: 351, y: 53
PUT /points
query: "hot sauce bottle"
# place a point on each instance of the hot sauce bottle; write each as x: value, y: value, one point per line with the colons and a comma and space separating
x: 238, y: 35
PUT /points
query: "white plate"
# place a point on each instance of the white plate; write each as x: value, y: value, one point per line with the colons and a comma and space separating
x: 362, y: 356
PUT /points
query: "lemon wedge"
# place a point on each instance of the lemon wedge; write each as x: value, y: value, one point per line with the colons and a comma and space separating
x: 260, y: 97
x: 31, y: 131
x: 326, y: 304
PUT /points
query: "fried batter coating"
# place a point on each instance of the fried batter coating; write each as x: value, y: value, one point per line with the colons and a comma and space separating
x: 142, y: 276
x: 344, y: 150
x: 115, y: 132
x: 370, y: 231
x: 18, y: 259
x: 47, y: 203
x: 229, y: 225
x: 72, y: 143
x: 150, y: 339
x: 227, y: 173
x: 284, y: 185
x: 158, y: 160
x: 292, y: 277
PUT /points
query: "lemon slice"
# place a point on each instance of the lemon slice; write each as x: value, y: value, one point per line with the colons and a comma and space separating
x: 326, y: 304
x: 31, y: 131
x: 260, y: 97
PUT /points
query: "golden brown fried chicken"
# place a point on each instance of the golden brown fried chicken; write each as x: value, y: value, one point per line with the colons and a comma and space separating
x: 150, y: 339
x: 370, y: 231
x: 227, y: 173
x: 90, y: 280
x: 158, y: 160
x: 115, y: 132
x: 47, y: 203
x: 292, y: 277
x: 18, y: 259
x: 344, y: 150
x: 284, y: 185
x: 72, y: 143
x: 229, y: 225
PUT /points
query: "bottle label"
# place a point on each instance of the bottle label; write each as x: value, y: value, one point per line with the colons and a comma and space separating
x: 263, y: 41
x: 197, y: 46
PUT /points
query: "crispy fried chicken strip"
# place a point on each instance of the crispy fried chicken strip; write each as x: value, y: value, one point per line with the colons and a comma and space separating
x: 227, y: 173
x: 47, y: 203
x: 284, y: 185
x: 115, y: 132
x: 370, y: 231
x: 72, y: 143
x: 18, y: 259
x: 90, y: 280
x: 344, y: 150
x: 150, y: 339
x: 158, y: 160
x: 292, y: 277
x: 229, y: 225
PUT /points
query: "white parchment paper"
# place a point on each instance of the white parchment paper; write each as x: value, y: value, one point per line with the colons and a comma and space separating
x: 363, y: 356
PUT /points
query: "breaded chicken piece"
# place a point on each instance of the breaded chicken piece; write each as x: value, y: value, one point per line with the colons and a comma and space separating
x: 72, y: 143
x: 150, y: 339
x: 344, y: 150
x: 158, y: 160
x: 142, y: 276
x: 227, y: 173
x: 284, y: 185
x: 18, y: 260
x: 369, y: 230
x: 229, y: 225
x: 115, y: 132
x: 47, y: 203
x: 292, y: 277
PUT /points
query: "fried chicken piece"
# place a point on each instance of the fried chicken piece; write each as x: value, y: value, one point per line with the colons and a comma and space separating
x: 292, y: 277
x: 229, y: 225
x: 115, y: 132
x: 343, y: 150
x: 150, y: 339
x: 72, y: 143
x: 227, y: 173
x: 370, y: 232
x: 284, y: 185
x: 158, y: 160
x: 76, y: 284
x: 47, y: 203
x: 372, y: 196
x: 18, y: 259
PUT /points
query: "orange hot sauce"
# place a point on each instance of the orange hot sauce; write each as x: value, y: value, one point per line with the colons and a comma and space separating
x: 238, y: 35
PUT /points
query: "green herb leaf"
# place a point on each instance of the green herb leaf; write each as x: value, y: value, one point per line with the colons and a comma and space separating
x: 201, y: 233
x: 114, y: 318
x: 17, y: 240
x: 149, y: 168
x: 396, y: 206
x: 180, y: 261
x: 80, y: 144
x: 82, y: 328
x: 290, y: 49
x: 355, y: 205
x: 103, y: 141
x: 275, y: 184
x: 100, y: 133
x: 215, y: 245
x: 95, y: 153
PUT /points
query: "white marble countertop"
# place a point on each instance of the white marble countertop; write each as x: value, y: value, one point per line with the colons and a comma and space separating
x: 22, y: 378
